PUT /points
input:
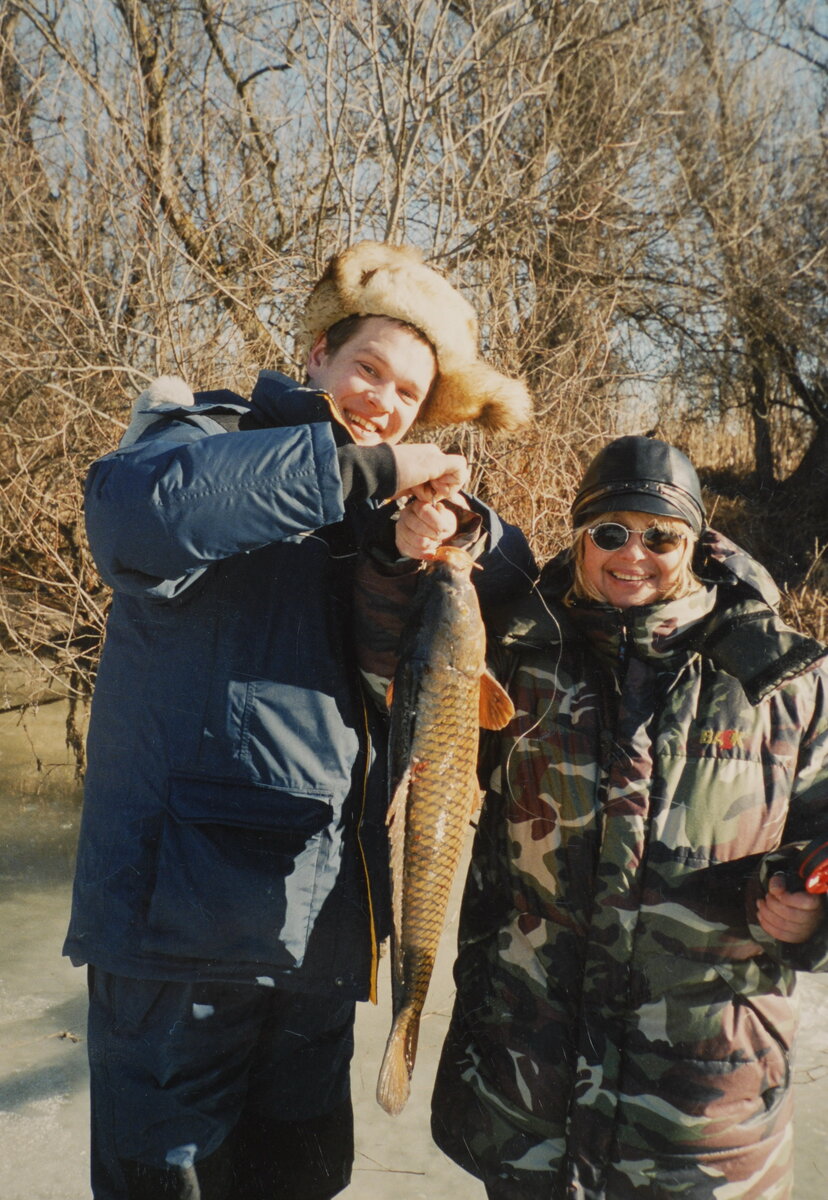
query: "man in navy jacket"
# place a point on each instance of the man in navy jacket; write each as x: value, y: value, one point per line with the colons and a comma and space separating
x: 231, y: 884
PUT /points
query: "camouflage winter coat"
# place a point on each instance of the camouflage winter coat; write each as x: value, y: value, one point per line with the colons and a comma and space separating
x: 623, y: 1027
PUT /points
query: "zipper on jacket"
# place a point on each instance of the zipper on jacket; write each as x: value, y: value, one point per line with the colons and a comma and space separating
x: 624, y: 645
x: 372, y: 988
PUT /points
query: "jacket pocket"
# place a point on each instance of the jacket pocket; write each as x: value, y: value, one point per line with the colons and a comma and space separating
x: 236, y: 871
x: 707, y: 1071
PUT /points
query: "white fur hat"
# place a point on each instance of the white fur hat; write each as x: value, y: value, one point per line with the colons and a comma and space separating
x: 379, y: 280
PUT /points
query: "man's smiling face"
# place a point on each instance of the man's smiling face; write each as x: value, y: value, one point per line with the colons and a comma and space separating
x: 378, y: 379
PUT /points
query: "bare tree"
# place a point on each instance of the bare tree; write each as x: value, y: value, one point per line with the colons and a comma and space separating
x: 632, y: 193
x: 737, y: 295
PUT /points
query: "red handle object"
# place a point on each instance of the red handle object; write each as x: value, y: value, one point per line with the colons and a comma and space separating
x: 813, y: 867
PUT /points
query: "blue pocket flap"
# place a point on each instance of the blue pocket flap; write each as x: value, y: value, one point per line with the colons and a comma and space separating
x: 199, y: 800
x: 237, y: 871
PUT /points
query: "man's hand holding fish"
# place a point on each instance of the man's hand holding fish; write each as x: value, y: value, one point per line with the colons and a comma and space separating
x: 424, y: 471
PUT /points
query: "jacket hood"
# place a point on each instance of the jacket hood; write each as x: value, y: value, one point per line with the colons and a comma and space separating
x: 719, y: 561
x: 277, y: 401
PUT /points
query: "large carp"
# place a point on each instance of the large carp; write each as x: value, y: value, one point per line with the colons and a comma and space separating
x: 440, y: 696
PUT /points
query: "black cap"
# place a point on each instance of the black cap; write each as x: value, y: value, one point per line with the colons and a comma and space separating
x: 641, y: 474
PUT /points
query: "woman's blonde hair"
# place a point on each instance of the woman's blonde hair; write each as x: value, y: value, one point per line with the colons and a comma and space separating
x: 686, y: 581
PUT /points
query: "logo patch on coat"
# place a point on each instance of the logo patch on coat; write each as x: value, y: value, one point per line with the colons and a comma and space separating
x: 725, y: 739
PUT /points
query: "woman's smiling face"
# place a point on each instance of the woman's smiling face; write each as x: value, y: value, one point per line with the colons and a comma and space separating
x: 633, y: 575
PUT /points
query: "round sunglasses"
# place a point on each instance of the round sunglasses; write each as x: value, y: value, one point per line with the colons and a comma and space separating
x: 611, y: 535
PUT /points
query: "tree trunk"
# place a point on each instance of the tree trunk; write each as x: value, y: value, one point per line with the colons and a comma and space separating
x: 807, y: 485
x: 762, y: 447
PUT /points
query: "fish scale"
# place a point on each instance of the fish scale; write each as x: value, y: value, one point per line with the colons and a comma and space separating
x: 437, y: 825
x: 441, y: 694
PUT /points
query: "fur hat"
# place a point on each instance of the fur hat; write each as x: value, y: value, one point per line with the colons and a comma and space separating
x: 379, y: 280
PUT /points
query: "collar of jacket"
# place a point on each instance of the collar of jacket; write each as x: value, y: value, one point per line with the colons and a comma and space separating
x: 276, y: 403
x: 279, y: 401
x: 732, y: 621
x: 663, y: 634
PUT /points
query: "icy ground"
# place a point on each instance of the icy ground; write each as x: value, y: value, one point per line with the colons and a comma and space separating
x: 43, y: 1092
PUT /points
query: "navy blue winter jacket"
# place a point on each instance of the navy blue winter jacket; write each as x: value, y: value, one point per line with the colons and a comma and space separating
x: 234, y: 815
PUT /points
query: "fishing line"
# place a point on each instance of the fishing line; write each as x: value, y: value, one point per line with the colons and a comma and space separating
x: 506, y: 783
x: 314, y: 537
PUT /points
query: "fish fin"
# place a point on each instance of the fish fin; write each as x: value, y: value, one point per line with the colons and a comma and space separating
x: 477, y: 795
x: 396, y: 838
x: 496, y: 708
x: 389, y: 694
x: 394, y: 1082
x: 412, y: 1036
x: 396, y: 809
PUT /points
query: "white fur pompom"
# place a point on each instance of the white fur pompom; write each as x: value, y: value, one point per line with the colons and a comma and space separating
x: 165, y: 393
x: 166, y: 389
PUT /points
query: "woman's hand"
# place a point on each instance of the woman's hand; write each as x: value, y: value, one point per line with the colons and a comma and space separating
x: 789, y: 916
x: 422, y: 526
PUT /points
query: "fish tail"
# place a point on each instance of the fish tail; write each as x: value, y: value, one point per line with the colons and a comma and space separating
x: 394, y: 1083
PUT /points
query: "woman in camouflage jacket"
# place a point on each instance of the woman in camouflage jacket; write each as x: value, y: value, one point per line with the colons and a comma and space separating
x: 623, y: 1024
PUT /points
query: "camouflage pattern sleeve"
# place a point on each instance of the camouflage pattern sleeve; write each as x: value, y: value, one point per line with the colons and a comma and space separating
x: 807, y: 819
x: 383, y: 594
